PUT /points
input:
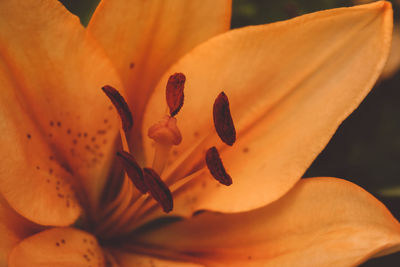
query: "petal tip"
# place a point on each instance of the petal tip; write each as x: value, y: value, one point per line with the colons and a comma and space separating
x: 384, y: 6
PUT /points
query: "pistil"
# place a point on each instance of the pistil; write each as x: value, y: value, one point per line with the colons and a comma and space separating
x: 166, y: 134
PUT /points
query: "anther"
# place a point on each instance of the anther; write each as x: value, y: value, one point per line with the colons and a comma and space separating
x: 174, y: 92
x: 223, y: 120
x: 216, y: 167
x: 133, y: 170
x: 120, y: 104
x: 158, y: 189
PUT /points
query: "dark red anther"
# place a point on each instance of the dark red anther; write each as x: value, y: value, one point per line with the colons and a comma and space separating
x: 158, y: 189
x: 223, y: 120
x: 120, y: 104
x: 133, y: 170
x: 174, y: 93
x: 216, y: 167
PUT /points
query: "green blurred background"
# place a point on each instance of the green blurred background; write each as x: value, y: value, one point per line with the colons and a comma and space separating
x: 366, y: 147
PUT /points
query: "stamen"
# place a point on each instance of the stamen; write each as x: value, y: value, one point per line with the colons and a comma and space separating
x: 120, y: 104
x: 174, y: 92
x: 158, y: 189
x: 223, y: 120
x: 216, y: 167
x: 133, y: 170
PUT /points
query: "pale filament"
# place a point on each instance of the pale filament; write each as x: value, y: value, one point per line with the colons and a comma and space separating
x: 122, y: 202
x: 150, y: 208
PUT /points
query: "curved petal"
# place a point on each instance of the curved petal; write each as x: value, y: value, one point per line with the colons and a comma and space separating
x: 31, y: 180
x: 13, y: 228
x: 320, y: 222
x: 61, y: 247
x: 290, y: 84
x: 127, y: 259
x: 54, y: 72
x: 393, y: 64
x: 143, y: 38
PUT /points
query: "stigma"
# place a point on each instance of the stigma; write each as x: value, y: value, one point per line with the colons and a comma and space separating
x: 165, y: 131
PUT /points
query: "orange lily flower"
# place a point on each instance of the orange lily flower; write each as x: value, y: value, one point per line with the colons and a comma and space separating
x: 65, y: 197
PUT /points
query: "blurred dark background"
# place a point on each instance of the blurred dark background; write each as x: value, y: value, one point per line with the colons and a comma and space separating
x: 366, y: 147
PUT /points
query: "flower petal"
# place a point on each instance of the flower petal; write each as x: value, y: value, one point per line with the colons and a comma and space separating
x: 320, y: 222
x: 13, y: 228
x: 290, y: 84
x: 393, y: 64
x: 62, y: 247
x: 31, y: 179
x: 55, y: 72
x: 126, y: 259
x: 143, y: 38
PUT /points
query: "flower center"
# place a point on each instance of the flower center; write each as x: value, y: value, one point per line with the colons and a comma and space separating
x: 121, y: 215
